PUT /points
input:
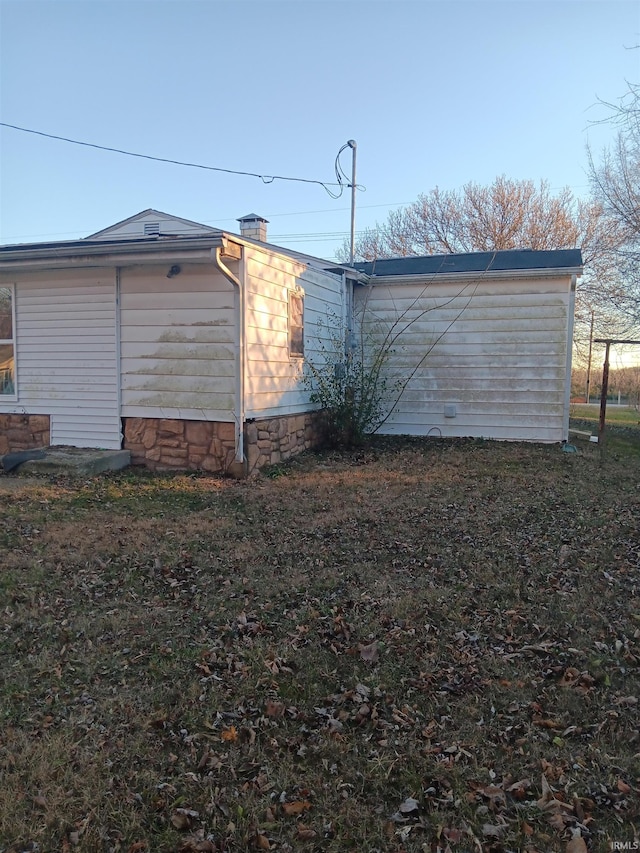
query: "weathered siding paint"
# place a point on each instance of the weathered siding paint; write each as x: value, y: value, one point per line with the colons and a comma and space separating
x: 273, y: 384
x: 67, y: 355
x: 178, y: 343
x: 495, y: 351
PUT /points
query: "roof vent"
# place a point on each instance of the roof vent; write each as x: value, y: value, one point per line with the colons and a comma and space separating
x: 151, y: 229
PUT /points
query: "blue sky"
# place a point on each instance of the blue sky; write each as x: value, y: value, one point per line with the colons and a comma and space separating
x: 434, y: 93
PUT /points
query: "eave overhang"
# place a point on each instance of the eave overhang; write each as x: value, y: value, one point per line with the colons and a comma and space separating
x: 81, y: 253
x: 474, y: 276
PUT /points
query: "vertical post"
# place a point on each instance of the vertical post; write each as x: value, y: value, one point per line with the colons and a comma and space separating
x: 352, y: 145
x: 603, y: 395
x: 589, y: 362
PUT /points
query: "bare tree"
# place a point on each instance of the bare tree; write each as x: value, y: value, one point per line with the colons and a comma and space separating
x: 512, y: 214
x: 508, y: 214
x: 615, y: 184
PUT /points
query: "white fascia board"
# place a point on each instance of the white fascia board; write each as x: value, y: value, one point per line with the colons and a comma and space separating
x: 190, y: 249
x: 480, y: 275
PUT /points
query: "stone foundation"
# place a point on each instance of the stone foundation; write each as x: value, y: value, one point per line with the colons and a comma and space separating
x: 23, y: 432
x: 175, y: 445
x: 273, y: 440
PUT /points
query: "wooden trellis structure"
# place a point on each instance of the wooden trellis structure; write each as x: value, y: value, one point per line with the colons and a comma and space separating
x: 605, y: 381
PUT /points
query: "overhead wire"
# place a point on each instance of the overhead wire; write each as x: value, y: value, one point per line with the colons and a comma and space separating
x: 266, y: 179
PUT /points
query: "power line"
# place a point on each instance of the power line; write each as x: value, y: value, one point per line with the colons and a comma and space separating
x: 267, y: 179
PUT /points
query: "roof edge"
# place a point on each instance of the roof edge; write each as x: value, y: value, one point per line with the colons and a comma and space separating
x: 476, y: 275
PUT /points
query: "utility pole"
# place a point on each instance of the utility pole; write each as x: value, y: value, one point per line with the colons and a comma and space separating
x: 603, y: 394
x: 352, y: 145
x: 605, y: 385
x: 589, y: 362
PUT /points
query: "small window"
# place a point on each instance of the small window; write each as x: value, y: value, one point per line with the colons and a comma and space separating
x: 296, y: 325
x: 7, y: 344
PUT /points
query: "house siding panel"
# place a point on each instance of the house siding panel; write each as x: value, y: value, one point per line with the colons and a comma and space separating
x: 496, y: 352
x: 67, y: 355
x: 274, y: 384
x: 178, y: 344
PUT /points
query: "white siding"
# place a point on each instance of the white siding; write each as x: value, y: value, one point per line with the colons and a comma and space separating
x: 497, y: 352
x: 274, y: 381
x: 178, y: 343
x: 67, y: 355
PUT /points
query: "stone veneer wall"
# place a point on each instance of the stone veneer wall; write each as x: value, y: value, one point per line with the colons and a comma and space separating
x: 165, y: 445
x: 23, y: 432
x: 273, y: 440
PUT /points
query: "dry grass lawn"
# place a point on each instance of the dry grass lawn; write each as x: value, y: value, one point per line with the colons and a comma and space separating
x: 426, y: 646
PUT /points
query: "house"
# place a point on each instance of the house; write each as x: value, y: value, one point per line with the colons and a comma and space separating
x: 187, y: 345
x: 179, y: 342
x: 481, y: 341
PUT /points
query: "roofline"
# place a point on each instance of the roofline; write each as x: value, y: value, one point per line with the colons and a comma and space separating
x: 292, y: 253
x: 534, y: 272
x: 84, y: 253
x: 143, y: 213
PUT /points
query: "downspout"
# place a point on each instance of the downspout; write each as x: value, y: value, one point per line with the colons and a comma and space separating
x: 118, y: 286
x: 238, y: 463
x: 567, y: 388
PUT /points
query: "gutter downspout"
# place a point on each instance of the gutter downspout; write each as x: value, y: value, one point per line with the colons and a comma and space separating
x: 567, y: 388
x: 238, y: 467
x: 118, y: 286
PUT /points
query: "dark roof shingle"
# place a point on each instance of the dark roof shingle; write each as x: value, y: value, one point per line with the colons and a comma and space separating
x: 510, y: 259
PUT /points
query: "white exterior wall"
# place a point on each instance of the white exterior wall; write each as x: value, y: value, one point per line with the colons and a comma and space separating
x: 178, y: 343
x: 274, y: 381
x: 66, y: 354
x: 496, y: 351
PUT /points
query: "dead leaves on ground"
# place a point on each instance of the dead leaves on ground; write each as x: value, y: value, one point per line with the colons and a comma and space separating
x: 447, y: 658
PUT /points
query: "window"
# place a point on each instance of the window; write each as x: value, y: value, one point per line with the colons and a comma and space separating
x: 7, y: 344
x: 296, y: 325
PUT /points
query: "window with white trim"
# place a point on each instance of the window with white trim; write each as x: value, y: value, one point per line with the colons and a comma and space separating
x: 7, y: 344
x: 296, y: 324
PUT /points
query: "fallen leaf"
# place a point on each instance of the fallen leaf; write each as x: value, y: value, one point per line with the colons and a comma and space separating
x: 274, y: 709
x: 297, y: 807
x: 527, y: 828
x: 183, y: 818
x: 577, y: 843
x: 262, y: 842
x: 492, y: 830
x: 369, y: 653
x: 230, y: 734
x: 558, y: 821
x: 305, y: 833
x: 454, y: 835
x: 626, y: 700
x: 197, y: 845
x: 409, y: 805
x: 547, y: 793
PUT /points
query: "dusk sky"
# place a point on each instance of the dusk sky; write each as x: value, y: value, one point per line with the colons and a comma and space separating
x: 434, y: 93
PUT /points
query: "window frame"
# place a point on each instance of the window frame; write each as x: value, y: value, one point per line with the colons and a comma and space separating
x: 12, y: 342
x: 294, y: 351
